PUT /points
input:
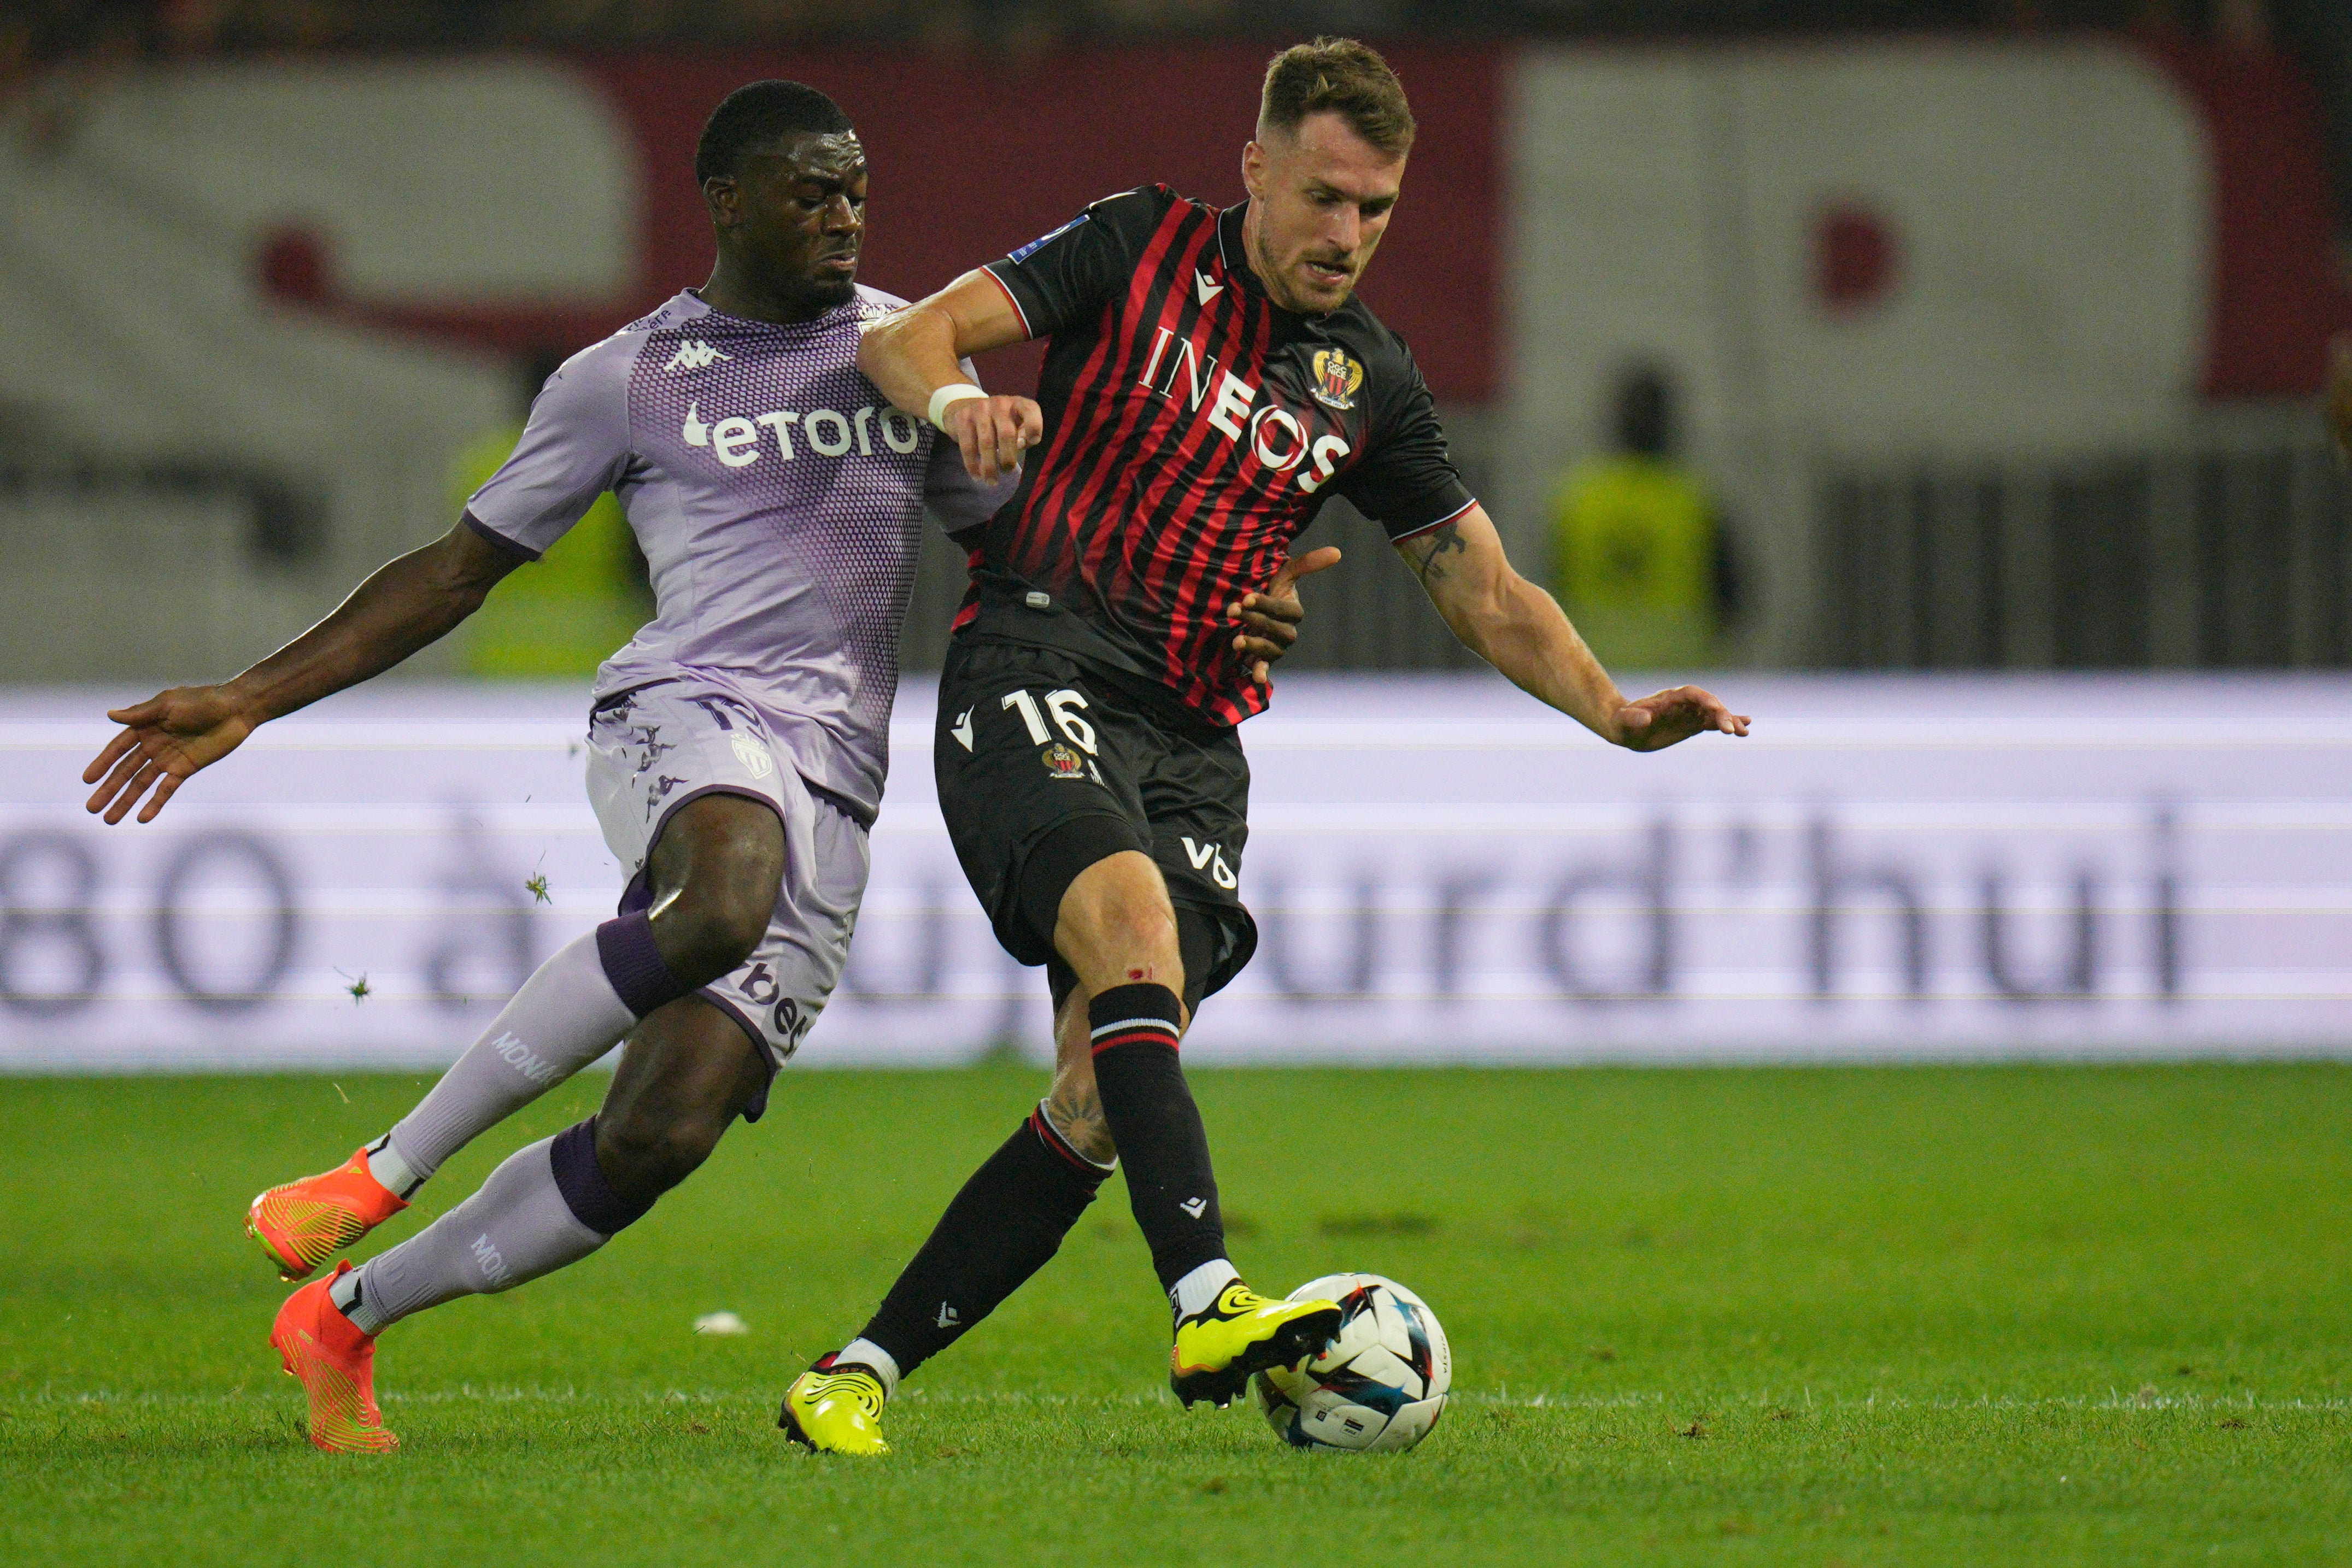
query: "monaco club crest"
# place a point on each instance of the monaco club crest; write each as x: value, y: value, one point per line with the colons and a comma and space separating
x: 1337, y: 378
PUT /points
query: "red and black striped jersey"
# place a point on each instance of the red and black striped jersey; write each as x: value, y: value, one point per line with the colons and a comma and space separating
x: 1193, y: 429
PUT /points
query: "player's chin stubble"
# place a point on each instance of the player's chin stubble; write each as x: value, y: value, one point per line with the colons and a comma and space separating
x: 823, y: 293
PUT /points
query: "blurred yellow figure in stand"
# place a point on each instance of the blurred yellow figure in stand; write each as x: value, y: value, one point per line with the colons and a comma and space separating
x: 1638, y: 554
x: 565, y: 614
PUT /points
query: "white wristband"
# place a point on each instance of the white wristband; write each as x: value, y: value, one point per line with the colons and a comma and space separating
x: 956, y: 392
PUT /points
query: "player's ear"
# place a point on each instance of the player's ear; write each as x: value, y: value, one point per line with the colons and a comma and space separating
x: 1254, y: 168
x: 722, y: 197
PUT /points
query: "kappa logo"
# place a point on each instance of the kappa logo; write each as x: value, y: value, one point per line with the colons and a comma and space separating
x: 696, y: 355
x: 1195, y: 1207
x: 1208, y: 290
x: 948, y: 1317
x: 1211, y: 858
x: 754, y: 757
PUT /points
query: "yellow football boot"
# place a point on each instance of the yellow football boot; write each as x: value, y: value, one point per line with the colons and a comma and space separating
x: 1242, y: 1332
x: 835, y: 1411
x: 303, y: 1223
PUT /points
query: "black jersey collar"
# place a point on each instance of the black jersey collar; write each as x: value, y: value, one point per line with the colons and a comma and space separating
x: 1233, y: 254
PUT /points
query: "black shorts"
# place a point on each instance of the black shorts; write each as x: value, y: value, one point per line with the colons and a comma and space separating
x: 1030, y: 741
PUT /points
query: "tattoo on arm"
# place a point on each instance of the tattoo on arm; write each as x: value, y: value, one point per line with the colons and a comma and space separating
x: 1427, y: 553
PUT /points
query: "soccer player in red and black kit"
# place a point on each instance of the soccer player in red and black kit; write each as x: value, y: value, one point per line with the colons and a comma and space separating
x: 1211, y: 381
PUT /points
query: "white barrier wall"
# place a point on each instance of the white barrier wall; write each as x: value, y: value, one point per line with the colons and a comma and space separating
x: 1443, y: 871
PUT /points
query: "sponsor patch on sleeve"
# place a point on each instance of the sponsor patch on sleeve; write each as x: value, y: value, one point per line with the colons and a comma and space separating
x: 1042, y: 241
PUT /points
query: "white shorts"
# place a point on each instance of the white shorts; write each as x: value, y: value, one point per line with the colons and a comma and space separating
x: 652, y: 751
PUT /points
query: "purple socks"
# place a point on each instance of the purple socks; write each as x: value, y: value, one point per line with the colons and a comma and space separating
x: 635, y: 966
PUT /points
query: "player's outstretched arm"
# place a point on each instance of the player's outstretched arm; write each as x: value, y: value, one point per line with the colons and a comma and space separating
x: 1521, y: 630
x: 406, y: 605
x: 915, y: 357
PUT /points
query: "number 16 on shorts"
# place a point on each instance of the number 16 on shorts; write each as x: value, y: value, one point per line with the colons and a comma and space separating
x: 1063, y: 707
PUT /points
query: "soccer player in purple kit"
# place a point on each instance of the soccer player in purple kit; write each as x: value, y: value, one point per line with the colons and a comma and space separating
x: 737, y: 746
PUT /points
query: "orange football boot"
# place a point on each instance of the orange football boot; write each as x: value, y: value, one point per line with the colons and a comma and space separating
x: 337, y: 1365
x: 303, y: 1223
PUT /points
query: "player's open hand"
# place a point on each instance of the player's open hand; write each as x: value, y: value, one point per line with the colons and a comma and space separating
x: 2337, y: 402
x: 1271, y: 618
x: 164, y: 740
x: 1658, y: 722
x: 994, y: 432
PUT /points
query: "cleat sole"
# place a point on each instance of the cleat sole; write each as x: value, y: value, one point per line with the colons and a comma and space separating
x: 292, y: 1273
x: 791, y: 1425
x: 301, y: 1225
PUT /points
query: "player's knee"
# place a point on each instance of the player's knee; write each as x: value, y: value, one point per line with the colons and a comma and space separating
x: 1145, y: 932
x: 716, y: 872
x: 644, y: 1156
x: 1117, y: 913
x: 1134, y: 941
x: 708, y: 931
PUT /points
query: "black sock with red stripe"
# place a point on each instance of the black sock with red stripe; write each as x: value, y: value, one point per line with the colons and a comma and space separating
x: 1156, y: 1127
x: 1007, y: 1221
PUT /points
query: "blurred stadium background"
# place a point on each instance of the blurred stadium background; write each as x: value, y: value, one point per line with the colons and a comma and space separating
x: 1936, y: 379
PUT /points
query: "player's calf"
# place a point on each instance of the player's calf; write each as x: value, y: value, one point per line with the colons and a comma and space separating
x: 1002, y: 1227
x: 685, y: 1077
x: 715, y: 876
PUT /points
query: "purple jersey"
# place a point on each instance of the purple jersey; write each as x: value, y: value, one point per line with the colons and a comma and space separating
x: 778, y: 501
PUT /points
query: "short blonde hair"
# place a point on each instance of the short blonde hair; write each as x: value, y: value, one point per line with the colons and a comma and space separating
x: 1338, y: 76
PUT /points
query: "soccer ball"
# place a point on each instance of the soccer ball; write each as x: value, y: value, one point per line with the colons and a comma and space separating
x: 1378, y: 1387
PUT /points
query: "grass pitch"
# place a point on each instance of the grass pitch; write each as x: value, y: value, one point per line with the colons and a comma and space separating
x: 2022, y: 1315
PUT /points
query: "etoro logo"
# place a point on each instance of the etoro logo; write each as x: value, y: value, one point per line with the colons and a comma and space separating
x: 739, y: 442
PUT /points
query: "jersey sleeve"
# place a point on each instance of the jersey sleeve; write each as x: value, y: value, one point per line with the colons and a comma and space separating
x: 957, y: 501
x: 575, y: 447
x: 1408, y: 483
x: 1067, y: 276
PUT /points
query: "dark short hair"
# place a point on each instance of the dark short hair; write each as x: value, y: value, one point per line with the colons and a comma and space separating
x: 1342, y: 76
x: 757, y: 115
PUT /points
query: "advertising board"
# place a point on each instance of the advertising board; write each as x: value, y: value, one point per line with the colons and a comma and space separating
x: 1442, y: 870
